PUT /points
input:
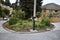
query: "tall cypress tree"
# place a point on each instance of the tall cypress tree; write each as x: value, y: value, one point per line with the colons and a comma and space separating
x: 27, y: 6
x: 17, y: 6
x: 7, y: 3
x: 16, y: 1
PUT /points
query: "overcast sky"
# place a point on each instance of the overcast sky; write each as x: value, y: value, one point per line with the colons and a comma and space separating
x: 44, y: 1
x: 51, y: 1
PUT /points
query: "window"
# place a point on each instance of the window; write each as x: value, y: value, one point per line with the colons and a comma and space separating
x: 56, y: 10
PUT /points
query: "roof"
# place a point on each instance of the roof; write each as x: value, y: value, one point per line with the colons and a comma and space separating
x: 51, y: 6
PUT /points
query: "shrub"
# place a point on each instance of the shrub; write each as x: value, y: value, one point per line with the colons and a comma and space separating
x: 38, y: 14
x: 46, y: 21
x: 13, y: 20
x: 37, y: 24
x: 6, y: 24
x: 19, y: 14
x: 6, y: 11
x: 42, y: 26
x: 1, y: 11
x: 29, y: 19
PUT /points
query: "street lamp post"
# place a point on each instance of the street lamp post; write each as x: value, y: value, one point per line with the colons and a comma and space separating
x: 34, y: 15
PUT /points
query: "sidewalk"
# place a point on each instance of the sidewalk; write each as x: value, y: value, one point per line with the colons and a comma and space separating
x: 2, y: 30
x: 57, y: 26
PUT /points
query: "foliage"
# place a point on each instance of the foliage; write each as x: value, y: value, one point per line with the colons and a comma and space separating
x: 37, y: 24
x: 7, y: 3
x: 42, y: 26
x: 46, y: 21
x: 27, y: 6
x: 25, y: 25
x: 38, y: 14
x: 18, y: 13
x: 14, y: 6
x: 6, y: 11
x: 0, y: 11
x: 2, y: 14
x: 13, y: 20
x: 21, y: 25
x: 6, y: 24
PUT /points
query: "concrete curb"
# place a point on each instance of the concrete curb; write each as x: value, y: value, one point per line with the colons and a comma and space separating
x: 23, y: 32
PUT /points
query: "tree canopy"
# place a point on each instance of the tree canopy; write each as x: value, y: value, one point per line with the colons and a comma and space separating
x: 7, y: 2
x: 27, y: 6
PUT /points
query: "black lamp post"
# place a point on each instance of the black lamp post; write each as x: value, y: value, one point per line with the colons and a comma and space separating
x: 34, y: 15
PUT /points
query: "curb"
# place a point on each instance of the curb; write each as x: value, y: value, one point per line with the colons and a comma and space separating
x: 12, y: 31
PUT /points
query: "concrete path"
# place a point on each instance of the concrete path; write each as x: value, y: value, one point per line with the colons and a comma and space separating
x: 50, y: 35
x: 2, y: 30
x: 57, y: 26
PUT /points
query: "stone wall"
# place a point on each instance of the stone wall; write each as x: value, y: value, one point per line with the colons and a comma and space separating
x: 53, y: 19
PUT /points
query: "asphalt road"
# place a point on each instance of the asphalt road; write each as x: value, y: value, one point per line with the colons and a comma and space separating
x: 50, y: 35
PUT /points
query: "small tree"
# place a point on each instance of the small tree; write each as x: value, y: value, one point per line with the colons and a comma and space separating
x: 6, y: 11
x: 2, y: 14
x: 19, y: 14
x: 7, y: 2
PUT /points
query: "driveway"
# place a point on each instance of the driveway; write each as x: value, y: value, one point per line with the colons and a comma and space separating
x: 50, y: 35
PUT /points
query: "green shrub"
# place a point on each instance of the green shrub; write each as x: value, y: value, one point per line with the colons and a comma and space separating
x: 42, y: 26
x: 37, y: 24
x: 6, y: 24
x: 2, y: 14
x: 0, y: 11
x: 29, y: 19
x: 38, y: 14
x: 13, y: 20
x: 6, y: 11
x: 46, y: 21
x: 19, y: 14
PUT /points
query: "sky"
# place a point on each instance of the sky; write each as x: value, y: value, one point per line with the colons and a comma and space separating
x: 51, y: 1
x: 44, y: 1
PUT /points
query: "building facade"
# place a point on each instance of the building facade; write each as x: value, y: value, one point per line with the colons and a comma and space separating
x: 51, y: 10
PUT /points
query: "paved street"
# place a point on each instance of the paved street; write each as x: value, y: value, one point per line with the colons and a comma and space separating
x: 50, y: 35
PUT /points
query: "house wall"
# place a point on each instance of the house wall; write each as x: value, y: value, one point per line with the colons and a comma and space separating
x: 53, y: 19
x: 45, y: 12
